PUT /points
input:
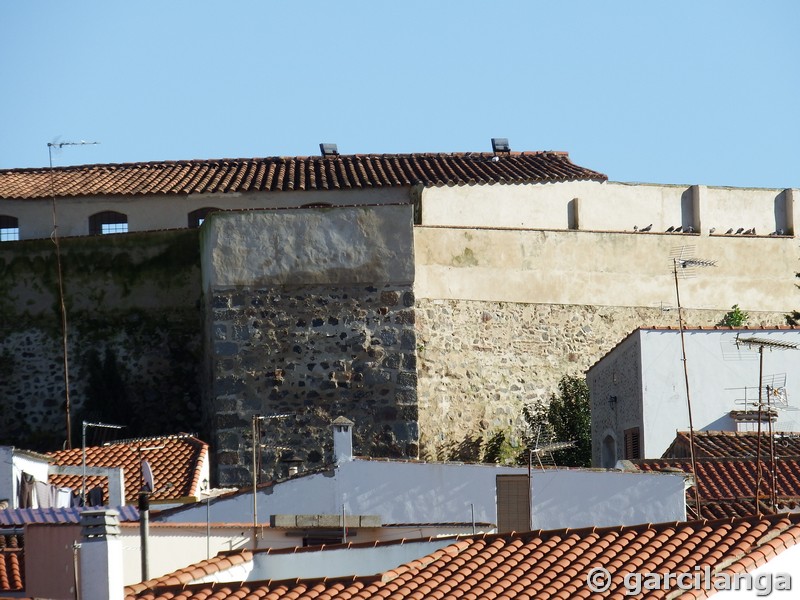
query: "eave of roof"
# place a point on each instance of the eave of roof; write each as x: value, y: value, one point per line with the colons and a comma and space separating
x: 690, y: 328
x: 302, y: 173
x: 541, y: 564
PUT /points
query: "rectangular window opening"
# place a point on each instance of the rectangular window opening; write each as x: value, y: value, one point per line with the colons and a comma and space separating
x: 9, y: 234
x: 114, y: 228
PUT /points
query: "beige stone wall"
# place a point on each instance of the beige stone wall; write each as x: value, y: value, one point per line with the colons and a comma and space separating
x: 608, y: 206
x: 480, y: 362
x: 603, y: 268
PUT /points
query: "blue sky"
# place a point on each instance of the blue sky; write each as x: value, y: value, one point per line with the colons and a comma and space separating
x: 665, y: 92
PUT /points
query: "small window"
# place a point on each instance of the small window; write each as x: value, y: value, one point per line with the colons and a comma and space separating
x: 108, y: 222
x: 9, y: 228
x: 632, y: 447
x: 196, y: 217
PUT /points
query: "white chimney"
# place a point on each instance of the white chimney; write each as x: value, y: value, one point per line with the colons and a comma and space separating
x: 342, y: 440
x: 101, y: 556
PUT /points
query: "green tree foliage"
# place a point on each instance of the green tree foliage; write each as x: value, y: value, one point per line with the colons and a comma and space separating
x: 566, y: 418
x: 735, y: 317
x: 793, y: 318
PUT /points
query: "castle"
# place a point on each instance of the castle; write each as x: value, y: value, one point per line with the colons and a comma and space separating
x: 427, y: 297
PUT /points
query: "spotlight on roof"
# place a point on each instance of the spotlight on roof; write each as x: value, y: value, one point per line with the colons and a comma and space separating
x: 500, y: 145
x: 329, y: 150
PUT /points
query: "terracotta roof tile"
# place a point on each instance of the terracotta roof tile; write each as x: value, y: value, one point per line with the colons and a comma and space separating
x: 543, y: 564
x: 358, y: 171
x: 179, y: 462
x: 12, y: 569
x: 733, y: 444
x: 733, y: 478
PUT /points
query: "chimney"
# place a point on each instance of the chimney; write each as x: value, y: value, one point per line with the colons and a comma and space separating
x: 342, y: 440
x: 101, y: 556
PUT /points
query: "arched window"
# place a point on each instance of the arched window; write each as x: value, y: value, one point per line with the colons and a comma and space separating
x: 9, y: 228
x: 609, y: 452
x: 108, y: 221
x: 196, y: 217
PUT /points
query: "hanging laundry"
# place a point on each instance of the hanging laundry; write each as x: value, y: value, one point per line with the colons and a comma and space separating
x: 64, y: 497
x: 26, y: 491
x: 95, y: 497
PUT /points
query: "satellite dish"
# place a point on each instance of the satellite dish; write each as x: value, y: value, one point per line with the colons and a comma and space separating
x: 148, y: 483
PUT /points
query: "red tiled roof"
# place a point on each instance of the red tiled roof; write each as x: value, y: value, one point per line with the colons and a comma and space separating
x: 360, y: 171
x: 178, y: 462
x: 732, y: 478
x: 542, y: 565
x: 733, y: 444
x: 12, y: 569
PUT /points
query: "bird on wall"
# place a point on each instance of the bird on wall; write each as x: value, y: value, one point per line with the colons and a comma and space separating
x: 670, y: 229
x: 636, y: 228
x: 712, y: 230
x: 678, y: 229
x: 740, y: 230
x: 750, y: 231
x: 648, y: 228
x: 689, y: 229
x: 730, y: 231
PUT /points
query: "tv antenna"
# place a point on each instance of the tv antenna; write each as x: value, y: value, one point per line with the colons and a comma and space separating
x: 544, y: 446
x: 256, y: 431
x: 60, y: 277
x: 684, y: 266
x: 760, y: 344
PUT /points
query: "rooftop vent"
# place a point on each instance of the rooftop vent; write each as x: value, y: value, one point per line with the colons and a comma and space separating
x: 500, y: 145
x: 329, y: 149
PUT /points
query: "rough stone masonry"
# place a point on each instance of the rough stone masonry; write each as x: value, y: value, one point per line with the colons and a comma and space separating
x: 310, y: 314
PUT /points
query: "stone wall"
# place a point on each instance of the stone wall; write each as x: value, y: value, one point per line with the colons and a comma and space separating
x: 310, y: 313
x: 313, y: 353
x: 134, y: 336
x: 480, y: 362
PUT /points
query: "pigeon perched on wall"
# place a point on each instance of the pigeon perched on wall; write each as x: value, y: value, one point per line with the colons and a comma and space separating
x: 712, y: 230
x: 730, y: 231
x: 740, y: 230
x: 670, y: 229
x: 648, y: 228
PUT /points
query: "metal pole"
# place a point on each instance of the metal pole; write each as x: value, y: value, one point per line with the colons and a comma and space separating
x: 207, y: 492
x: 83, y: 462
x: 144, y: 531
x: 472, y: 510
x: 758, y: 440
x: 62, y: 304
x: 255, y: 485
x: 688, y: 399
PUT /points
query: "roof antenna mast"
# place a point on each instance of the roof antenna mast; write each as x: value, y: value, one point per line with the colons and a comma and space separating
x: 54, y: 237
x: 682, y: 268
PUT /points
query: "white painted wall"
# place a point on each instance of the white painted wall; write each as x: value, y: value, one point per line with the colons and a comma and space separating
x: 607, y: 206
x: 148, y: 213
x: 308, y: 246
x: 652, y: 394
x: 399, y: 492
x: 12, y: 464
x: 580, y: 498
x: 785, y: 563
x: 341, y: 562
